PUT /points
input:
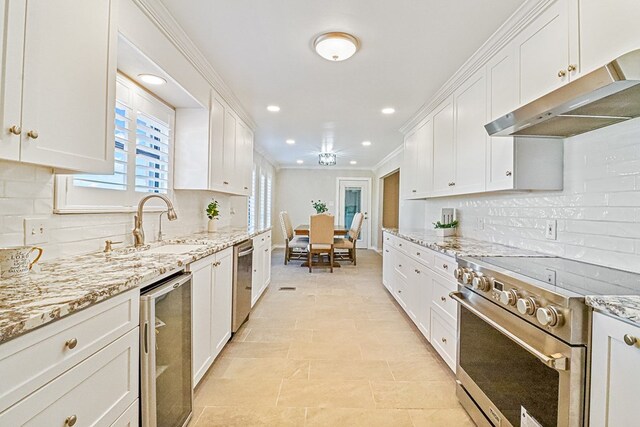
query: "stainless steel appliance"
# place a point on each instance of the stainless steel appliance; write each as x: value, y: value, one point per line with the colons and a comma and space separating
x: 242, y: 276
x: 166, y: 387
x: 603, y: 97
x: 523, y: 337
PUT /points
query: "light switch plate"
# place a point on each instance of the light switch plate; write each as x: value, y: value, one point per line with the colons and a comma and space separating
x: 36, y: 231
x: 551, y: 231
x: 480, y: 223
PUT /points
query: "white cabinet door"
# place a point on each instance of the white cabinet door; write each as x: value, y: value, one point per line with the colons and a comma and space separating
x: 615, y: 377
x: 424, y: 304
x: 409, y: 173
x: 201, y: 321
x: 266, y: 265
x: 424, y: 160
x: 68, y: 88
x: 502, y: 94
x: 12, y: 44
x: 608, y: 29
x: 244, y: 160
x: 222, y: 300
x: 443, y: 149
x: 229, y: 151
x: 258, y: 270
x: 543, y: 51
x: 387, y: 267
x: 470, y: 101
x: 192, y: 169
x: 216, y: 153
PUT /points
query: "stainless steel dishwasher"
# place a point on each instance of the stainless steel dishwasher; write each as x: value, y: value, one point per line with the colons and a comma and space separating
x: 242, y: 275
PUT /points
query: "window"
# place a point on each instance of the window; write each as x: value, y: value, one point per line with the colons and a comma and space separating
x: 268, y: 202
x: 143, y: 140
x: 251, y: 208
x: 263, y: 185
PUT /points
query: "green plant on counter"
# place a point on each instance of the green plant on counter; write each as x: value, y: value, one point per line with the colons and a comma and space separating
x: 212, y: 210
x: 319, y: 206
x: 438, y: 224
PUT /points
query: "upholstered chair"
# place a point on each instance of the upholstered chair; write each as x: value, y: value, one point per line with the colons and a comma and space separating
x: 320, y: 238
x: 348, y: 243
x: 295, y: 246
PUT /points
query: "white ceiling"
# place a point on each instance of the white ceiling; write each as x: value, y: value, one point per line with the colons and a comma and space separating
x: 263, y: 50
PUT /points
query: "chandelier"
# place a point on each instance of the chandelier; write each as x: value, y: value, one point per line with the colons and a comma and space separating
x: 327, y: 159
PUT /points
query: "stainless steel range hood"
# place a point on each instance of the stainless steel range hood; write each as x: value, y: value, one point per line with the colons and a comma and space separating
x: 606, y: 96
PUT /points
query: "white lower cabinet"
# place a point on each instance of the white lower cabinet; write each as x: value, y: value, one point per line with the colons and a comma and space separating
x: 261, y: 265
x: 420, y: 280
x: 130, y: 418
x: 211, y: 304
x: 615, y: 377
x: 95, y: 392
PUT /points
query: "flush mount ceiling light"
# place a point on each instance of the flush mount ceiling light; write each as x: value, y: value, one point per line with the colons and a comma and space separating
x: 353, y: 162
x: 366, y: 143
x: 273, y: 108
x: 388, y: 110
x: 299, y: 162
x: 290, y: 141
x: 327, y: 159
x: 336, y: 46
x: 152, y: 79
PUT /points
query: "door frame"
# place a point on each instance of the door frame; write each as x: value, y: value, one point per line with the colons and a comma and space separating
x: 368, y: 215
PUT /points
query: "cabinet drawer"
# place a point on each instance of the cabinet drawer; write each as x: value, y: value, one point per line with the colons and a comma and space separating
x: 400, y: 244
x: 441, y: 300
x: 96, y: 392
x: 420, y: 253
x: 130, y: 416
x: 402, y: 265
x: 443, y: 339
x: 444, y: 265
x: 32, y: 360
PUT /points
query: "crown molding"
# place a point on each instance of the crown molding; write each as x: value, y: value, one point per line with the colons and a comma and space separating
x: 258, y: 149
x: 167, y: 24
x: 386, y: 158
x: 318, y: 167
x: 522, y: 17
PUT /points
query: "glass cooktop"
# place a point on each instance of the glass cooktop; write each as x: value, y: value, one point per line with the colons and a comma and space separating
x: 560, y: 273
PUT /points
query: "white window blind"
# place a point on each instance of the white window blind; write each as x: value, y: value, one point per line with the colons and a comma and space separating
x: 268, y: 202
x: 263, y: 184
x: 251, y: 208
x: 143, y: 138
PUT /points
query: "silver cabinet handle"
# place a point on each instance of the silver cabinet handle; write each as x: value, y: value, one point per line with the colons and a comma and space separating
x: 71, y: 344
x: 555, y: 361
x: 443, y: 299
x: 445, y: 266
x: 508, y: 173
x: 630, y: 340
x: 443, y: 339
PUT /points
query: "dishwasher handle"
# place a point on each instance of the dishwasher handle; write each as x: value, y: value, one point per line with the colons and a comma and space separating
x: 245, y: 253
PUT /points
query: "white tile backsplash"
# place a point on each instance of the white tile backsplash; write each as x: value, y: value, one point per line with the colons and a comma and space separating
x: 598, y: 212
x: 27, y: 191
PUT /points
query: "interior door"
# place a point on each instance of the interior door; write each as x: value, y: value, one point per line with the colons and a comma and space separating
x: 353, y: 197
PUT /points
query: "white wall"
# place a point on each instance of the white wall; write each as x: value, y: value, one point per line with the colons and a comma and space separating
x: 295, y: 188
x: 598, y: 212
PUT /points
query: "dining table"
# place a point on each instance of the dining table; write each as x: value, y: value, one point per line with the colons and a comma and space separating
x: 303, y: 230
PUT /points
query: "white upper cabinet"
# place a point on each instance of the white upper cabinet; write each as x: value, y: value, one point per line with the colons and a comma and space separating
x: 546, y: 53
x: 418, y: 158
x: 229, y: 149
x: 608, y: 29
x: 443, y: 148
x: 59, y: 76
x: 243, y: 158
x: 470, y: 101
x: 217, y: 175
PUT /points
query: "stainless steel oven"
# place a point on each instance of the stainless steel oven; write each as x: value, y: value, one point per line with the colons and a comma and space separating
x: 516, y: 373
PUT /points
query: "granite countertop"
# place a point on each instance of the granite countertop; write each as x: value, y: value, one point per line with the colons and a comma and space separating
x: 625, y: 307
x: 456, y: 246
x: 65, y: 285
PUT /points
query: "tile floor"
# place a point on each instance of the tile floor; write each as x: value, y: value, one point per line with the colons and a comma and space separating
x: 337, y: 351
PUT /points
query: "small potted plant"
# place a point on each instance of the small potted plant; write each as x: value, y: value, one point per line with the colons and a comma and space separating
x: 444, y: 230
x: 319, y: 206
x: 213, y: 213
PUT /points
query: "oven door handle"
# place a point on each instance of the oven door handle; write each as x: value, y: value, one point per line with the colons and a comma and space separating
x: 556, y: 361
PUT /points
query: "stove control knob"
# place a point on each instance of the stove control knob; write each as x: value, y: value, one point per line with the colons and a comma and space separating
x: 527, y: 306
x: 549, y: 316
x: 509, y: 297
x: 457, y: 273
x: 481, y: 283
x: 467, y: 277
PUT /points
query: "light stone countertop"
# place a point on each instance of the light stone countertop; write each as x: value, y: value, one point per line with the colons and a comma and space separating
x: 65, y: 285
x: 625, y: 307
x: 458, y: 246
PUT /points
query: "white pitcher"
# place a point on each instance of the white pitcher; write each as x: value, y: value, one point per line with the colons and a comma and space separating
x: 16, y: 260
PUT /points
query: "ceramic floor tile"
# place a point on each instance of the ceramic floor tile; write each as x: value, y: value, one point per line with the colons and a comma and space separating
x: 350, y: 370
x: 279, y: 335
x: 325, y: 394
x: 227, y: 367
x: 415, y: 394
x: 255, y: 349
x: 374, y: 351
x: 326, y: 323
x: 440, y: 418
x: 325, y: 351
x: 322, y: 417
x: 420, y: 370
x: 238, y: 416
x: 238, y: 392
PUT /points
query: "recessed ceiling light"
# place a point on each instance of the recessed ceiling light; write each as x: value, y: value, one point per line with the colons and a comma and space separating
x: 353, y: 162
x: 290, y: 141
x: 273, y: 108
x: 388, y: 110
x: 336, y: 46
x: 366, y: 143
x: 152, y: 79
x: 299, y: 162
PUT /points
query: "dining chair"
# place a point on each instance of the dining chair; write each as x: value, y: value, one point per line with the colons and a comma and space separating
x: 348, y: 243
x: 320, y: 238
x: 294, y: 245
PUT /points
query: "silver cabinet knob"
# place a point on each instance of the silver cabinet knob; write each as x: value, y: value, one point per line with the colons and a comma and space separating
x: 71, y: 344
x: 15, y: 129
x: 443, y: 299
x: 445, y: 266
x: 33, y: 134
x: 508, y: 173
x: 549, y: 316
x: 630, y: 340
x: 444, y: 340
x: 526, y: 306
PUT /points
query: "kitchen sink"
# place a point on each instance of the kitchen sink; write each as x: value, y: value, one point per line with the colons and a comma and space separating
x: 174, y: 249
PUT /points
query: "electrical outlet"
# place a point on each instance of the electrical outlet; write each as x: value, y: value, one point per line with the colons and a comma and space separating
x: 36, y: 231
x: 551, y: 276
x: 551, y: 231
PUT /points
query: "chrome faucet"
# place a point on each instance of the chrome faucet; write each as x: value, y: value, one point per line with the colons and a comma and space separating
x: 138, y: 231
